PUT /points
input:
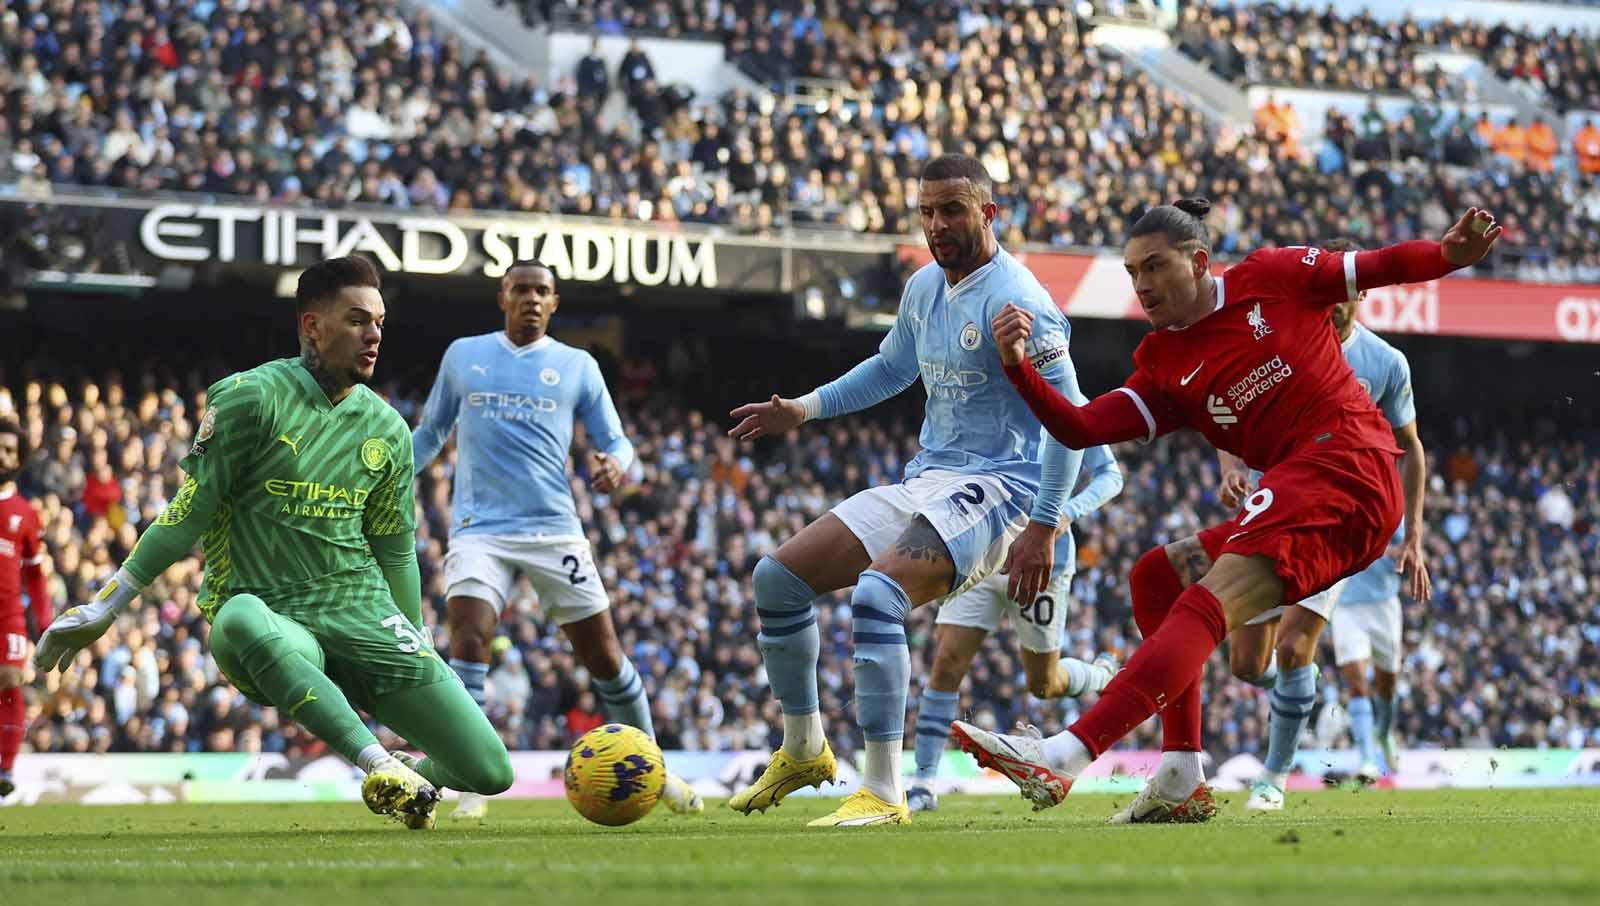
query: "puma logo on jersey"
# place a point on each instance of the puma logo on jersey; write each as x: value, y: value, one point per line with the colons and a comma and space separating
x: 293, y: 444
x: 1258, y: 322
x: 1221, y: 412
x: 1190, y: 376
x: 310, y: 697
x: 481, y: 370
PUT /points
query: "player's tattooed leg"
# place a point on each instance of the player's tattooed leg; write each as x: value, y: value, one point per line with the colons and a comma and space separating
x: 1189, y: 559
x: 921, y: 541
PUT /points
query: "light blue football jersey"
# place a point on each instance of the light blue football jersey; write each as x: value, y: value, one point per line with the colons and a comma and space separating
x: 1384, y: 373
x: 514, y: 409
x: 1104, y: 481
x: 975, y: 422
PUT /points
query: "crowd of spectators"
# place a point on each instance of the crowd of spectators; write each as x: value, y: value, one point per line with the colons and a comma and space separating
x: 1507, y: 654
x: 343, y: 102
x: 1272, y: 43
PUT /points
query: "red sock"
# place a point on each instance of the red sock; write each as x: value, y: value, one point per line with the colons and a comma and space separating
x: 1159, y: 672
x: 13, y: 717
x: 1155, y: 586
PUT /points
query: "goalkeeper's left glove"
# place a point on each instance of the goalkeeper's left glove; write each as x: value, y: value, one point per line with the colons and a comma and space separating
x: 80, y: 626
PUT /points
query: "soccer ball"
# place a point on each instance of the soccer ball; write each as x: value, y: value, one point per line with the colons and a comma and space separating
x: 614, y: 775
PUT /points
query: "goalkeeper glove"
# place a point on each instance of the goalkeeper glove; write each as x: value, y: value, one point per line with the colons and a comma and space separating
x: 80, y: 626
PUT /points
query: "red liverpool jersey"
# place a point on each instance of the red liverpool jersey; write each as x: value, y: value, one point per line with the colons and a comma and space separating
x: 1263, y: 374
x: 21, y: 548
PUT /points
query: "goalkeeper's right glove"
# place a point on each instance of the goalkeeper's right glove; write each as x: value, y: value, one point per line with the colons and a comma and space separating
x: 79, y: 626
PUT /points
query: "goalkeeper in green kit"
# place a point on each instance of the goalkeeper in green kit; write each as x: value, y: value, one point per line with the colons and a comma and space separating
x: 298, y: 490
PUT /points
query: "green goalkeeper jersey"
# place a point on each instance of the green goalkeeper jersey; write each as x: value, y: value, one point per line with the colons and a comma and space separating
x: 291, y: 488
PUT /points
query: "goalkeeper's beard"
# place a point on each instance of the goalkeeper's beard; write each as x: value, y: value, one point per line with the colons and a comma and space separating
x: 9, y: 475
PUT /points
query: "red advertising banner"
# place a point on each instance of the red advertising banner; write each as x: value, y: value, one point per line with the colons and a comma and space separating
x: 1095, y: 286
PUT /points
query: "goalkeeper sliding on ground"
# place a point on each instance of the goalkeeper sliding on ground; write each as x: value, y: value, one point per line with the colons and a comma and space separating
x: 298, y: 489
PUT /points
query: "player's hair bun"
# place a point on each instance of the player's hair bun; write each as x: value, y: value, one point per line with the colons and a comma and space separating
x: 1199, y: 207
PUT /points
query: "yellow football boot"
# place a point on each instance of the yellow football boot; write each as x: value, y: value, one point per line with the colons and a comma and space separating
x: 864, y: 809
x: 783, y: 776
x: 395, y: 789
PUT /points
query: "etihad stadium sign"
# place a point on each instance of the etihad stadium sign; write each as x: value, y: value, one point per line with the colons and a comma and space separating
x: 428, y: 245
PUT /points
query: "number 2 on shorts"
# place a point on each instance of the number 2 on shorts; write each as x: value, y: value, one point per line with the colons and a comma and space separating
x: 1256, y: 504
x: 574, y: 564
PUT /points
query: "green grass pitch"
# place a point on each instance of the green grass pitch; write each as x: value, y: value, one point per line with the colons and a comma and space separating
x: 1520, y: 847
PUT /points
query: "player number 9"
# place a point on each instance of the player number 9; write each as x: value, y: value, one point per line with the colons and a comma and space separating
x: 1256, y: 504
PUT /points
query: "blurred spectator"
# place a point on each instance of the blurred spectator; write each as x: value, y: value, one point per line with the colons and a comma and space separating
x: 1586, y: 145
x: 594, y: 83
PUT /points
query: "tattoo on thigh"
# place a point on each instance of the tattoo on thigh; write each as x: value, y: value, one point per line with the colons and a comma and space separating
x: 1189, y: 559
x: 921, y: 541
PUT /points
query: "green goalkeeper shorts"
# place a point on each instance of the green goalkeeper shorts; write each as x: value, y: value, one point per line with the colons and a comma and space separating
x: 366, y: 646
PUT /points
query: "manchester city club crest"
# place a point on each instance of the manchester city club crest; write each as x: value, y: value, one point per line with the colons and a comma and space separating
x: 550, y: 376
x: 970, y: 337
x: 374, y: 453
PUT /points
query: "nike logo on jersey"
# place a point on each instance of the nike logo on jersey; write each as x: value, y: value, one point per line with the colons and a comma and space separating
x: 293, y: 444
x: 1236, y: 535
x: 1190, y: 377
x: 1221, y: 413
x: 481, y: 370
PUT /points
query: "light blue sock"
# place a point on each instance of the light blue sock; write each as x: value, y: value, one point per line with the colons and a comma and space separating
x: 878, y: 611
x: 1361, y: 729
x: 934, y: 713
x: 473, y: 675
x: 1384, y: 708
x: 624, y: 698
x: 1292, y: 700
x: 788, y: 640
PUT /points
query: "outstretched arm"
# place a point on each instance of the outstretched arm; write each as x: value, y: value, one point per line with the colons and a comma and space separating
x: 228, y: 430
x: 1328, y: 278
x: 892, y: 370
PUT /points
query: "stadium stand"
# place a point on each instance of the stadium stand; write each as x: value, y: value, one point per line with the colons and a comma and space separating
x: 345, y: 103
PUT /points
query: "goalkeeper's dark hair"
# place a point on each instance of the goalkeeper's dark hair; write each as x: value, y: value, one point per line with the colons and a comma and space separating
x: 1341, y: 244
x: 1182, y: 222
x: 9, y: 425
x: 322, y: 282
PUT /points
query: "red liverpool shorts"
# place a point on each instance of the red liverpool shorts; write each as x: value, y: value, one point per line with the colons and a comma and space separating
x: 1319, y: 516
x: 13, y: 641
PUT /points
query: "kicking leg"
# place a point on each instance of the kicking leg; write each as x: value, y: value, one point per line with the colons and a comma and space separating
x: 1237, y: 589
x: 954, y: 648
x: 824, y: 556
